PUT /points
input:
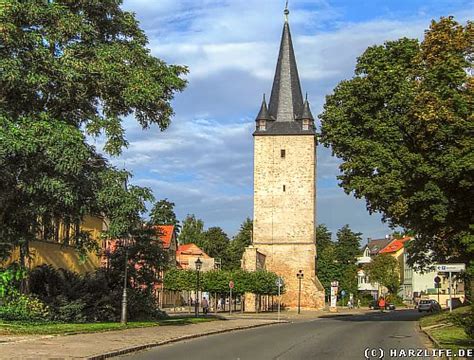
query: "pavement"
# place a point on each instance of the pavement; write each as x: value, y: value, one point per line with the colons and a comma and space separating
x: 345, y: 334
x: 105, y: 344
x: 338, y: 336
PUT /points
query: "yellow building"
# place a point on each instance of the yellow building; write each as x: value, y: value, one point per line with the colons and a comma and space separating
x: 59, y: 251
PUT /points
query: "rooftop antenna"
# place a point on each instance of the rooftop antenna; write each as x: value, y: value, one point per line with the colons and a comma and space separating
x: 286, y: 12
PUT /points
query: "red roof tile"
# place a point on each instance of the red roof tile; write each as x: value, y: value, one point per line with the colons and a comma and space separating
x: 394, y: 246
x: 165, y: 232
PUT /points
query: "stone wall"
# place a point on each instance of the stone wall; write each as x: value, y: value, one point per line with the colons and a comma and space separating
x: 284, y: 213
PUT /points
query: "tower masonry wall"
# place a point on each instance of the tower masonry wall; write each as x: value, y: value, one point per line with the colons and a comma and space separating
x: 284, y: 213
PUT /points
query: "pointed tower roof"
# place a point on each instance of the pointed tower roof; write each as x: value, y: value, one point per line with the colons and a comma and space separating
x: 286, y: 101
x: 263, y: 113
x: 306, y: 110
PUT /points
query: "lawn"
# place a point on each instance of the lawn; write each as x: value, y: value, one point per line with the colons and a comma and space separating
x: 449, y: 335
x: 26, y: 328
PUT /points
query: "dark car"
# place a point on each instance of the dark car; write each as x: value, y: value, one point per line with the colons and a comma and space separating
x: 374, y: 305
x: 428, y: 306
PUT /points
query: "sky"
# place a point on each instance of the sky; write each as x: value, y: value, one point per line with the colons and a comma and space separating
x: 203, y: 162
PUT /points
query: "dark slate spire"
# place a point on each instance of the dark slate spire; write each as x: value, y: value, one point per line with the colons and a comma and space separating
x: 306, y: 110
x: 286, y: 101
x: 263, y: 113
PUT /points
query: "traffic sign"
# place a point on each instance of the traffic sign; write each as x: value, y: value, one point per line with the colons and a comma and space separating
x: 343, y: 293
x: 231, y: 284
x: 335, y: 283
x: 450, y: 267
x: 437, y: 279
x: 279, y: 282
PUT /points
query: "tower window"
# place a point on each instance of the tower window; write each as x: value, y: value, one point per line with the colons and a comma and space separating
x: 284, y: 188
x: 283, y: 153
x: 262, y: 125
x: 306, y: 124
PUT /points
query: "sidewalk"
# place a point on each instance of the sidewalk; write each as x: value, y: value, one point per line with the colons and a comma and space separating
x: 113, y: 343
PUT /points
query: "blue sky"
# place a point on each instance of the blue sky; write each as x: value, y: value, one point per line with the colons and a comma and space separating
x: 203, y: 162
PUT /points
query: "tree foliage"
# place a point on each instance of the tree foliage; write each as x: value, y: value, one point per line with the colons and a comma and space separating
x: 215, y: 243
x: 71, y: 70
x: 191, y: 231
x: 163, y: 213
x: 384, y: 269
x: 403, y: 128
x: 238, y: 244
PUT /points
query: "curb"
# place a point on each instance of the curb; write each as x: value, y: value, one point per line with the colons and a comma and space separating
x: 170, y: 341
x: 433, y: 340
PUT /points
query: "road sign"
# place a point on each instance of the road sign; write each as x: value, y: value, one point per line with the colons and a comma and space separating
x: 279, y: 282
x: 334, y: 283
x: 450, y: 267
x: 343, y: 293
x: 231, y: 284
x: 437, y: 279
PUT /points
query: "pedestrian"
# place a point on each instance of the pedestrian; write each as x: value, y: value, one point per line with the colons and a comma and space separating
x: 219, y: 304
x: 205, y: 306
x: 358, y: 303
x: 382, y: 304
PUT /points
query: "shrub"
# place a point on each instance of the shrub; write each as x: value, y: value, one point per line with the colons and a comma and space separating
x: 23, y: 308
x: 466, y: 321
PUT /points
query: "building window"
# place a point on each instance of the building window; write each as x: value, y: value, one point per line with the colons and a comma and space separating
x: 284, y: 188
x: 283, y: 153
x: 262, y: 125
x: 306, y: 124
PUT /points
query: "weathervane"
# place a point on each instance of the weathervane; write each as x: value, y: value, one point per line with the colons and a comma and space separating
x: 286, y: 12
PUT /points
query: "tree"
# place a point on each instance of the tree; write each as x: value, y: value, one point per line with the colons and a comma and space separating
x: 192, y: 231
x: 69, y: 69
x: 238, y: 244
x: 163, y: 213
x: 403, y: 128
x: 215, y: 243
x: 384, y: 269
x: 346, y: 250
x: 327, y: 268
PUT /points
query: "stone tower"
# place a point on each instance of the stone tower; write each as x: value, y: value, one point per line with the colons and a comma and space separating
x: 285, y: 184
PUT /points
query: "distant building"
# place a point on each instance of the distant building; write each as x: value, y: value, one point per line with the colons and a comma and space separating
x: 369, y: 251
x: 187, y: 254
x: 55, y: 246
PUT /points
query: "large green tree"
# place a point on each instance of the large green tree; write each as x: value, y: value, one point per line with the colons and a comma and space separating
x: 70, y: 70
x: 346, y: 250
x: 327, y: 268
x: 215, y: 243
x: 191, y: 231
x: 403, y: 127
x: 238, y: 244
x: 163, y: 213
x: 384, y: 270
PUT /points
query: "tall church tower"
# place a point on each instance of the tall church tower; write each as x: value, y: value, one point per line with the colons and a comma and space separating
x: 285, y: 182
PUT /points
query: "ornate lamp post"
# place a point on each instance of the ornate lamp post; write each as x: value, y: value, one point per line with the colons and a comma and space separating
x: 299, y: 275
x: 198, y: 264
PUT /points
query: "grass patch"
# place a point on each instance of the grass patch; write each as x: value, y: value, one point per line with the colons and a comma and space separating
x: 27, y: 328
x: 448, y: 334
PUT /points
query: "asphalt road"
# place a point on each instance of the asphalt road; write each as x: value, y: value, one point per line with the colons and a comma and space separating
x: 337, y: 337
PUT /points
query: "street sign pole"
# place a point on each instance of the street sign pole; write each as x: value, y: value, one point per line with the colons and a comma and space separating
x: 230, y: 302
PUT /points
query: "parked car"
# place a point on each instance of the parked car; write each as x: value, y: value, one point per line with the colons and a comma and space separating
x: 374, y: 305
x: 428, y: 305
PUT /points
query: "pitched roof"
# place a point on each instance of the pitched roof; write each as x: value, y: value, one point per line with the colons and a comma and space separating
x: 376, y: 245
x: 394, y: 245
x: 190, y: 249
x: 165, y: 232
x: 286, y: 101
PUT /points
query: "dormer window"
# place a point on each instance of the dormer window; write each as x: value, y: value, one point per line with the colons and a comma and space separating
x: 306, y: 123
x: 262, y: 125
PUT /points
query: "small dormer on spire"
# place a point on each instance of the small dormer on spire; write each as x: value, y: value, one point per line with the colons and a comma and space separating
x: 307, y: 118
x: 263, y: 116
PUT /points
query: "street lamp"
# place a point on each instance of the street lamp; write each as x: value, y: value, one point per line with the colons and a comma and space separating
x: 198, y: 264
x: 125, y: 244
x: 299, y: 275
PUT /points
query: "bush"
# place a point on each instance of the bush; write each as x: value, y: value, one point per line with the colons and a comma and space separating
x: 466, y: 321
x: 20, y: 307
